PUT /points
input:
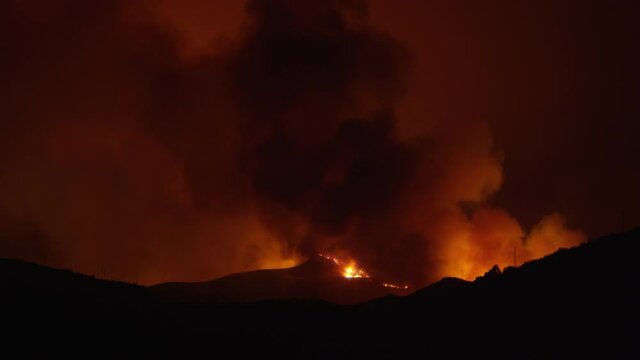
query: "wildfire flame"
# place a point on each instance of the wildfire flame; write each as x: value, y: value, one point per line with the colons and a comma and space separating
x: 394, y: 286
x: 350, y: 270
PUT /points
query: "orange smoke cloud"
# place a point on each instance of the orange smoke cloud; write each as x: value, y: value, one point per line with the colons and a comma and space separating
x: 158, y: 148
x: 493, y: 237
x: 550, y: 234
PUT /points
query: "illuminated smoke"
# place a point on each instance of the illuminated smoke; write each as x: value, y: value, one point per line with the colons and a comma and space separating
x: 122, y: 150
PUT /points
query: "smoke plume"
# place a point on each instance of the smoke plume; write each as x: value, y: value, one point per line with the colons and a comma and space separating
x: 134, y: 145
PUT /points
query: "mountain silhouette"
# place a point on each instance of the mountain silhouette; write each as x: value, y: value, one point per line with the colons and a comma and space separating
x: 575, y: 303
x: 316, y: 279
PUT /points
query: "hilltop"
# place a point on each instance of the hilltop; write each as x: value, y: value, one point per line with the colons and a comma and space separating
x: 576, y: 302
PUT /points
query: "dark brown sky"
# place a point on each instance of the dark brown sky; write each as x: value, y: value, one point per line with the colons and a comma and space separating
x: 185, y: 140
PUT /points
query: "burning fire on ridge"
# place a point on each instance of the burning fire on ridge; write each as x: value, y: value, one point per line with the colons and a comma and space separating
x: 349, y: 270
x: 394, y: 286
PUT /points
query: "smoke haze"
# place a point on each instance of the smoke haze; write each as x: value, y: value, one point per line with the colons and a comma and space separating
x: 170, y: 140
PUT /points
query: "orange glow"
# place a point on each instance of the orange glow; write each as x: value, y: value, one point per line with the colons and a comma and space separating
x: 196, y: 151
x: 394, y: 286
x: 493, y: 237
x: 349, y: 270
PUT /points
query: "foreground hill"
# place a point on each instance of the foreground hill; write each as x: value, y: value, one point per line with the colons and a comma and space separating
x: 316, y: 279
x: 581, y: 302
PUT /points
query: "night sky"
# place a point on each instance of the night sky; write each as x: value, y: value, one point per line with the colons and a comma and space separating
x: 164, y: 140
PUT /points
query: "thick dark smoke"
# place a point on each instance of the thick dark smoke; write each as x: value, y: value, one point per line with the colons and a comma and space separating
x: 315, y: 83
x: 131, y: 146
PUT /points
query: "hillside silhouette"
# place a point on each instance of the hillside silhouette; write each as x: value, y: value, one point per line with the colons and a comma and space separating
x: 579, y: 302
x: 315, y: 279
